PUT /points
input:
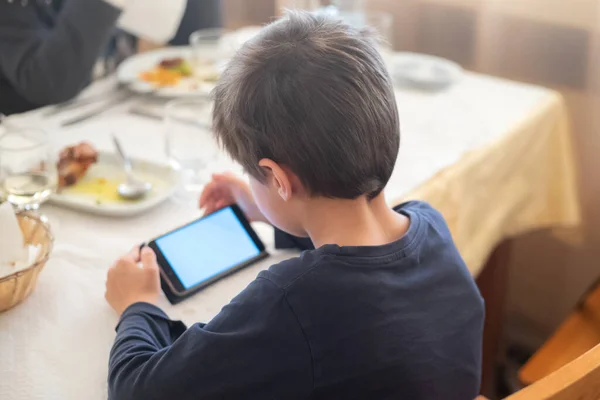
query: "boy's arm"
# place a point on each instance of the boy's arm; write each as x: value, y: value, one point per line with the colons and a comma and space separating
x: 253, y: 341
x: 144, y: 327
x: 286, y: 241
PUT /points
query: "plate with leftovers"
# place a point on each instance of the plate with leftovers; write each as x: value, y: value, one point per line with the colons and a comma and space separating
x: 169, y: 72
x: 88, y: 182
x: 421, y: 71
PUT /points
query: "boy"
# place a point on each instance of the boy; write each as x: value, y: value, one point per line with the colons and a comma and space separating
x: 384, y: 308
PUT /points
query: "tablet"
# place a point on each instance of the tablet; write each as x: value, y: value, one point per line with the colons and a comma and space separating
x: 200, y: 253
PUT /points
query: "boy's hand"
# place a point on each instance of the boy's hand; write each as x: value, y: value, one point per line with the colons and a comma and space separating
x: 128, y: 283
x: 226, y: 189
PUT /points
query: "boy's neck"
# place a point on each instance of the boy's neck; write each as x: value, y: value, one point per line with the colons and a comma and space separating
x: 358, y: 222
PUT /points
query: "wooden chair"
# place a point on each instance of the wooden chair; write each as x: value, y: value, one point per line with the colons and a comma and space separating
x: 578, y: 380
x: 579, y: 333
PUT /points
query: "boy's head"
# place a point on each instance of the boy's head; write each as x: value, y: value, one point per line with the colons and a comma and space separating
x: 308, y: 109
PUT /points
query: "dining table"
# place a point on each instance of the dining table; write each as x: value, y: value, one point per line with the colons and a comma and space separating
x: 494, y: 156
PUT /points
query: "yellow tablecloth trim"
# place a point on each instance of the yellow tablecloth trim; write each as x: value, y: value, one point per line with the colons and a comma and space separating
x: 525, y: 181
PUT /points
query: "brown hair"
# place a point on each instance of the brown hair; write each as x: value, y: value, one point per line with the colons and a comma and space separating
x: 311, y: 93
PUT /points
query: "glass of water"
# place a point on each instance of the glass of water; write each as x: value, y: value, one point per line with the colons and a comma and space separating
x: 383, y: 23
x: 211, y: 48
x: 307, y: 5
x: 28, y: 174
x: 189, y: 144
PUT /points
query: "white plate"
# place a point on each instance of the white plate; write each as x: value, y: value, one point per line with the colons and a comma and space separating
x: 162, y: 178
x: 129, y: 72
x: 424, y: 71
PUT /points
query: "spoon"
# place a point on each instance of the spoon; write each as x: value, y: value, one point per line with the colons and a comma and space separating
x: 132, y: 188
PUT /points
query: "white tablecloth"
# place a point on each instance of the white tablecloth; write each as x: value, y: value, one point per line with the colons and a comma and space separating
x: 55, y: 345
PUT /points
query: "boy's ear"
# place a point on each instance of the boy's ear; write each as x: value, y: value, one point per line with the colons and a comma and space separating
x: 281, y: 178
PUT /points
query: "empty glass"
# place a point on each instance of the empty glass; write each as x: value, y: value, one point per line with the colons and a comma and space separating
x: 357, y: 6
x: 351, y: 11
x: 383, y: 23
x: 210, y: 48
x: 307, y: 5
x: 189, y: 144
x: 27, y: 168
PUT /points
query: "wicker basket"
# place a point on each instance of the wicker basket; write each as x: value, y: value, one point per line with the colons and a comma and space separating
x: 16, y: 287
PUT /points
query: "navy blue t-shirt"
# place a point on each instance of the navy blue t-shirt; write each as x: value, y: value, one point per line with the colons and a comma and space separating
x: 398, y: 321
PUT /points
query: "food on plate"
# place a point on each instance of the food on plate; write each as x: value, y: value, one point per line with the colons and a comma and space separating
x: 161, y: 77
x: 89, y: 181
x: 168, y: 72
x: 177, y: 64
x: 74, y: 162
x: 102, y: 190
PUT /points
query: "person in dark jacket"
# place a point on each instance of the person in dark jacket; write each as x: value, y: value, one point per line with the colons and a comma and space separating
x: 48, y: 48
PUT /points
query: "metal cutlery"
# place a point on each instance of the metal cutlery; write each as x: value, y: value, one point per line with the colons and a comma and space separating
x: 110, y: 103
x: 142, y: 111
x: 133, y: 188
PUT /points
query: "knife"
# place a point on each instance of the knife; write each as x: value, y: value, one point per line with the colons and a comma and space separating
x: 98, y: 110
x: 145, y: 112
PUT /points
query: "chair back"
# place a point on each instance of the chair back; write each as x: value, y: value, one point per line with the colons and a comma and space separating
x: 577, y: 380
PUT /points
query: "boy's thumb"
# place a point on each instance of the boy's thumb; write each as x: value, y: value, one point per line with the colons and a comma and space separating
x: 148, y: 257
x: 227, y: 177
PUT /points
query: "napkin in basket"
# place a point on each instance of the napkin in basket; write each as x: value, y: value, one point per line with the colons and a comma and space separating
x: 14, y: 255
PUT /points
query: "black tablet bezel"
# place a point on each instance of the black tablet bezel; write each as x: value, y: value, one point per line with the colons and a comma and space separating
x: 170, y: 283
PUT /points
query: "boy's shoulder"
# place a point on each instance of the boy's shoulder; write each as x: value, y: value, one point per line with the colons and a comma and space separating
x: 421, y: 208
x: 423, y: 215
x: 285, y: 273
x: 423, y: 212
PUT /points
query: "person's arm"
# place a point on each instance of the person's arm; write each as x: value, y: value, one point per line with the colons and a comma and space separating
x: 199, y: 14
x: 254, y: 347
x: 48, y: 66
x: 156, y: 21
x: 284, y: 240
x: 226, y: 189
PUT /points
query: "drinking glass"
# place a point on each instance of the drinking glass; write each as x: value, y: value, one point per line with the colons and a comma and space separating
x: 307, y: 5
x: 27, y: 168
x: 189, y: 143
x: 351, y: 11
x: 354, y: 6
x: 383, y: 23
x: 210, y: 48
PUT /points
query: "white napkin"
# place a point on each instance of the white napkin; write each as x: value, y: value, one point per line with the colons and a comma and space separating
x: 14, y: 255
x: 153, y: 20
x: 11, y: 238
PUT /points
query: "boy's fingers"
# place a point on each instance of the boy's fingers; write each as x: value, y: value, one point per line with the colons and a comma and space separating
x: 218, y: 177
x: 148, y: 258
x: 125, y: 260
x: 135, y: 253
x: 214, y: 206
x: 208, y: 200
x: 207, y: 192
x: 208, y: 205
x: 227, y: 177
x: 209, y: 209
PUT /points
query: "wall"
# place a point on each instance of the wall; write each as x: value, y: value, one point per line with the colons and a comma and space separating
x: 239, y: 13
